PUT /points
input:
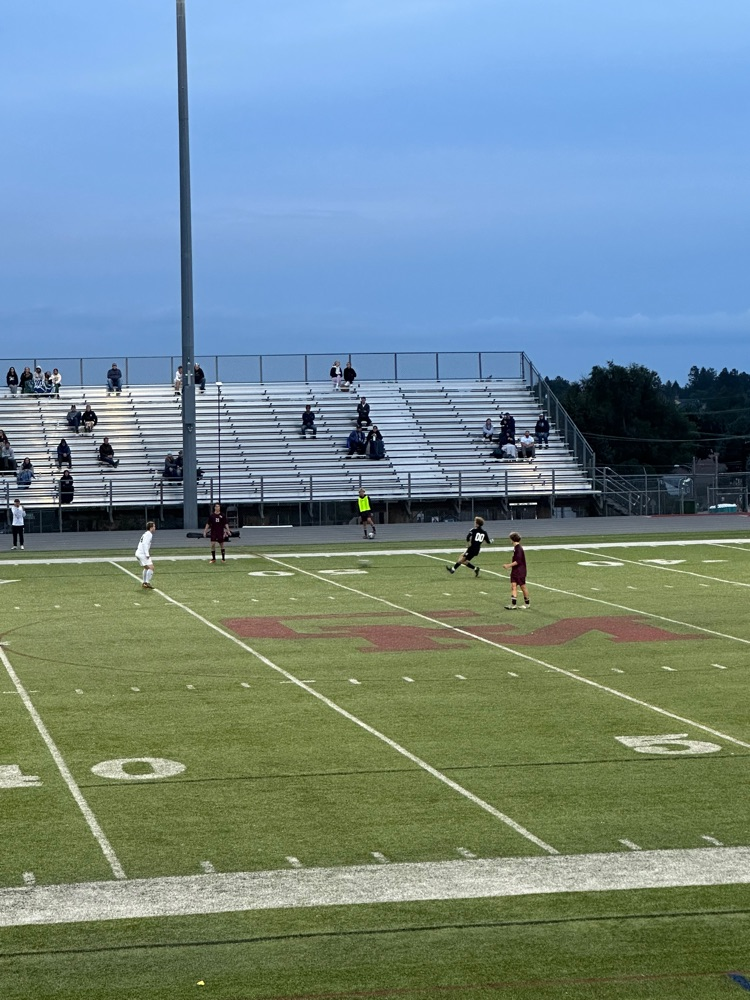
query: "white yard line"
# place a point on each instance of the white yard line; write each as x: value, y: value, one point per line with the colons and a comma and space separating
x: 62, y: 767
x: 357, y: 721
x: 525, y: 656
x: 668, y: 569
x: 373, y: 883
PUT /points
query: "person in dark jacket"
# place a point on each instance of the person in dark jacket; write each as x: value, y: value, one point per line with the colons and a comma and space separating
x: 11, y: 380
x: 26, y: 473
x: 63, y: 454
x: 107, y: 454
x: 356, y: 442
x: 26, y: 380
x: 66, y: 487
x: 114, y: 379
x: 374, y: 443
x: 308, y: 422
x: 73, y: 417
x: 199, y: 377
x: 89, y: 419
x: 541, y: 431
x: 363, y: 412
x: 350, y: 376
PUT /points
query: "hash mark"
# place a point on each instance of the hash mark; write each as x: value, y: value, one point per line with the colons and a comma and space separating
x: 294, y: 862
x: 616, y: 670
x: 244, y: 684
x: 208, y: 868
x: 630, y: 845
x: 135, y: 689
x: 29, y: 879
x: 409, y: 680
x: 353, y: 680
x: 460, y: 677
x: 671, y: 669
x: 711, y: 840
x: 464, y: 853
x: 380, y: 858
x: 511, y: 674
x: 719, y: 666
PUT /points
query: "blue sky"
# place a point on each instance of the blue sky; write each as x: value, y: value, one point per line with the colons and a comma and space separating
x: 567, y: 178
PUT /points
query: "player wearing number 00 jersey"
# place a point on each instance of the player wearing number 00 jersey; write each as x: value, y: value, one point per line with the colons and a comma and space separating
x: 475, y: 538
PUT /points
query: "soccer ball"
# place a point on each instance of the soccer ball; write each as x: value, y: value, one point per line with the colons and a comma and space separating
x: 370, y: 534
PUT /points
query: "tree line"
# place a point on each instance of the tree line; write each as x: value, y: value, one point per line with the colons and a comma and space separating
x: 633, y: 420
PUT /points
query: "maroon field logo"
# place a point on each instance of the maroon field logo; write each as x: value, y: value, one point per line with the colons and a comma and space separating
x: 369, y: 633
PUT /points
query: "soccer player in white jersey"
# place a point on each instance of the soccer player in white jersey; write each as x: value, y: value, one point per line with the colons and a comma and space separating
x: 143, y: 555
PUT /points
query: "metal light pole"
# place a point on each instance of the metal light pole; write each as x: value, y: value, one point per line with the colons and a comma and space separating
x: 189, y: 469
x: 218, y: 432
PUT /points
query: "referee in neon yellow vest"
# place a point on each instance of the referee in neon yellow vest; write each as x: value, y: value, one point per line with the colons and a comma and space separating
x: 365, y: 513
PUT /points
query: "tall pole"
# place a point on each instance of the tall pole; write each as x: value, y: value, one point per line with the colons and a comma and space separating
x: 189, y: 461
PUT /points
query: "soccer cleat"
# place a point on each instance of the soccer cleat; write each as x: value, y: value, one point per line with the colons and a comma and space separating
x: 212, y: 561
x: 511, y: 607
x: 22, y: 546
x: 14, y: 546
x: 450, y: 569
x: 476, y: 571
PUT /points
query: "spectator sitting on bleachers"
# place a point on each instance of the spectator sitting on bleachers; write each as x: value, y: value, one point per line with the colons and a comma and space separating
x: 26, y: 380
x: 356, y: 442
x: 541, y: 430
x: 506, y: 451
x: 178, y: 381
x: 38, y: 385
x: 308, y: 422
x: 65, y: 486
x: 63, y: 454
x: 199, y: 376
x: 25, y: 474
x: 526, y: 447
x: 487, y: 430
x: 49, y: 385
x: 11, y: 380
x: 509, y: 423
x: 336, y: 375
x: 374, y: 443
x: 350, y: 375
x: 179, y: 461
x: 89, y: 419
x: 107, y: 454
x: 114, y: 379
x: 73, y: 418
x: 7, y: 458
x: 363, y: 412
x: 56, y: 382
x: 171, y: 468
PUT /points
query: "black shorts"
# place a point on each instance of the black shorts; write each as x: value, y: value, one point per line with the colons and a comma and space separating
x: 365, y: 516
x: 472, y: 551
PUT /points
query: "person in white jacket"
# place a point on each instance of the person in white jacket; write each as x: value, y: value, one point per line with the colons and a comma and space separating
x: 143, y: 555
x: 18, y: 518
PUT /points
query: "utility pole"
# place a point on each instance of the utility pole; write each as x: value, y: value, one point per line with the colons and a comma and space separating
x: 189, y: 460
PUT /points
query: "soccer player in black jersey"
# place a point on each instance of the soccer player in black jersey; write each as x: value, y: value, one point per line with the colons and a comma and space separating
x: 476, y: 536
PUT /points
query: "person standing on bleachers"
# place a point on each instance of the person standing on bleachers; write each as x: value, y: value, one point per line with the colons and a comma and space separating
x: 308, y: 422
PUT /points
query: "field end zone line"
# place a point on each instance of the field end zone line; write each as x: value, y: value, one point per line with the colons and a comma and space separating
x: 518, y: 653
x: 359, y: 722
x: 75, y: 791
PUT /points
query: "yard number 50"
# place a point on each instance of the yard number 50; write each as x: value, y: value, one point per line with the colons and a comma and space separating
x: 673, y: 744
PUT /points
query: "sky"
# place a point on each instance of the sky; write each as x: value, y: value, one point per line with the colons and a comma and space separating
x: 570, y: 178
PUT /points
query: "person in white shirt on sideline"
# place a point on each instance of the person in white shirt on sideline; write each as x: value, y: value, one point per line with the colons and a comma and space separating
x: 18, y: 517
x: 143, y: 555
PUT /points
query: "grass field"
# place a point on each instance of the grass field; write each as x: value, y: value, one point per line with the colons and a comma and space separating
x: 353, y: 775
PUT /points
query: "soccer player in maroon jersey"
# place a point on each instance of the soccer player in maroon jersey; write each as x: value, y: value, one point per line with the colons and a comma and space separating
x: 218, y: 530
x: 517, y: 574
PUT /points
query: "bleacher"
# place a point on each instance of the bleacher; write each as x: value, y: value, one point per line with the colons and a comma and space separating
x: 251, y: 432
